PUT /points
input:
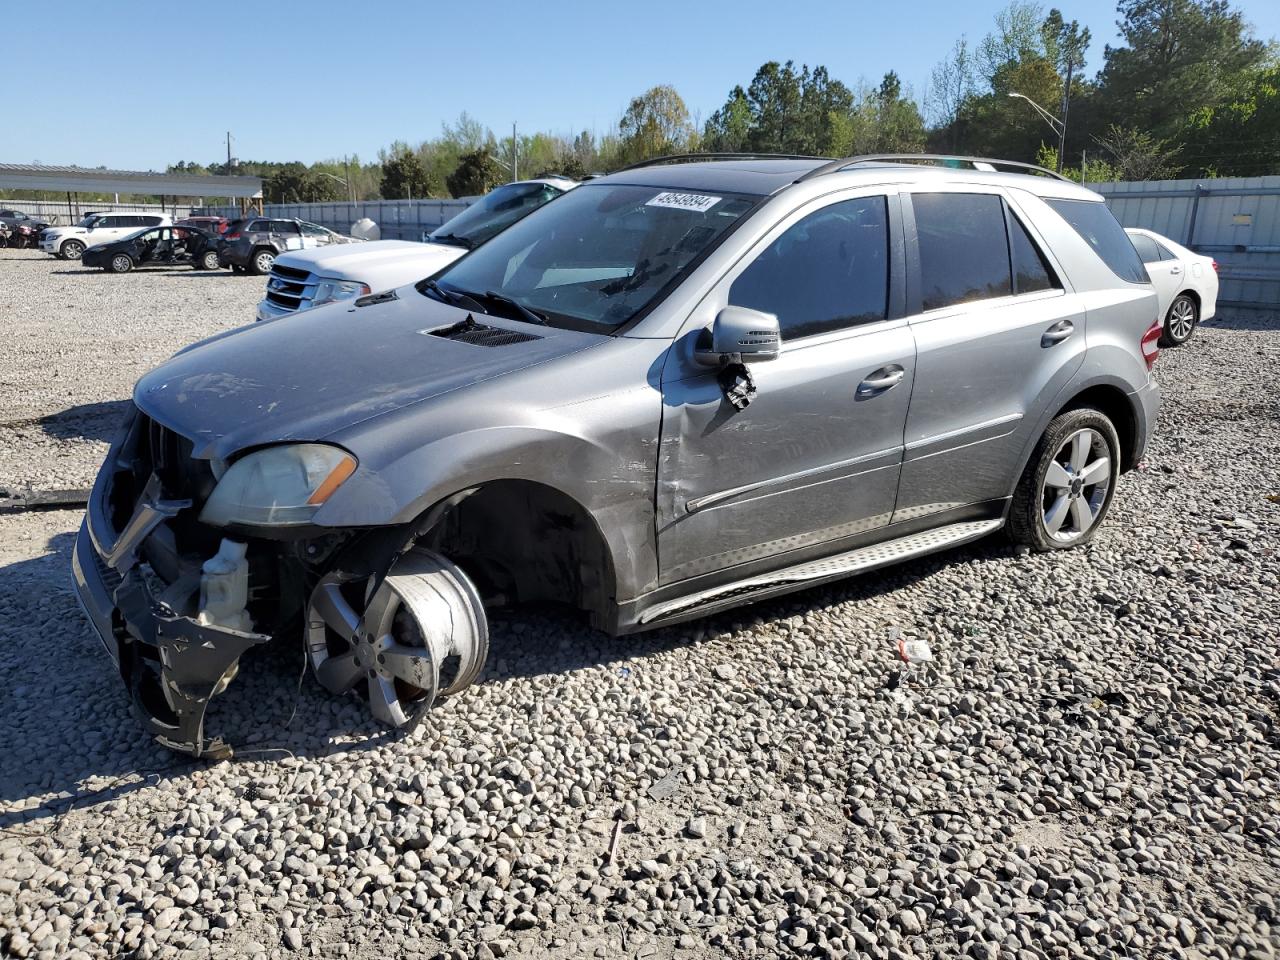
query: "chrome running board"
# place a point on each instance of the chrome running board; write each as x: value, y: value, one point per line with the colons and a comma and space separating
x: 829, y: 568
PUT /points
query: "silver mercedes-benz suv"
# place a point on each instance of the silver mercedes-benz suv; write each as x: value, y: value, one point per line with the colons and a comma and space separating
x: 694, y: 383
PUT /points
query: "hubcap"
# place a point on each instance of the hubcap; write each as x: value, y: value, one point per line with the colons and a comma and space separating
x: 1181, y: 319
x: 422, y: 634
x: 265, y: 262
x: 1075, y: 486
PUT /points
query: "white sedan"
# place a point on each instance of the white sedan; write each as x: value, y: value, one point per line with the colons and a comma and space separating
x: 1186, y: 283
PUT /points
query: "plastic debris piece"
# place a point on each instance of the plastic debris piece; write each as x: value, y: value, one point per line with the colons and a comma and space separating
x: 915, y: 650
x: 666, y: 787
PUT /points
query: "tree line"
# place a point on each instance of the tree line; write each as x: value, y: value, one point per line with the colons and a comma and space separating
x: 1188, y: 92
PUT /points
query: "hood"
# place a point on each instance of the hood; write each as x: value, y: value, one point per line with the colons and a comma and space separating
x: 311, y: 374
x: 64, y: 231
x: 346, y: 261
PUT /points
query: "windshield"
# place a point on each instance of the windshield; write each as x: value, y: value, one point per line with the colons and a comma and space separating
x: 90, y: 220
x: 493, y: 213
x: 599, y: 256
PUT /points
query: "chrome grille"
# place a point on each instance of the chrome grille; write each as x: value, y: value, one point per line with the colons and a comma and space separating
x: 290, y: 288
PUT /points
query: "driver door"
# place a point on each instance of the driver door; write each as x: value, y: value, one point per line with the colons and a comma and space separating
x: 816, y: 456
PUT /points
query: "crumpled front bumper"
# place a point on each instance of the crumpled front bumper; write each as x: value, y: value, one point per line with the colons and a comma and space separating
x: 171, y: 665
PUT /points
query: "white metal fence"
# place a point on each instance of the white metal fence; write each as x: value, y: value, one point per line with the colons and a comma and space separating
x: 61, y: 213
x: 398, y: 219
x: 1235, y: 220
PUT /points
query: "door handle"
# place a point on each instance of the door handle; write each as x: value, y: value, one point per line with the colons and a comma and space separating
x: 1057, y: 333
x: 886, y: 378
x: 1174, y: 271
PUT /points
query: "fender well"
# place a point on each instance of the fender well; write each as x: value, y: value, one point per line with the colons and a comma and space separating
x: 1118, y: 408
x: 524, y: 542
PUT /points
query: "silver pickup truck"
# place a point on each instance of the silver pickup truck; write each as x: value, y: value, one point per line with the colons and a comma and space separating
x: 302, y: 279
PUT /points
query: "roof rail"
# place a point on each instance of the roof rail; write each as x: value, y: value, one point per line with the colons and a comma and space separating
x: 695, y: 157
x: 835, y: 166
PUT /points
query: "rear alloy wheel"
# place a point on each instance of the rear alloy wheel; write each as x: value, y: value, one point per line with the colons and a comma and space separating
x: 208, y: 260
x: 422, y: 634
x: 1181, y: 321
x: 72, y: 250
x: 121, y: 263
x: 262, y: 262
x: 1066, y: 489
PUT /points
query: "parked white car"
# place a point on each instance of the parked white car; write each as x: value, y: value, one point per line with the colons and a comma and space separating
x: 1185, y: 281
x: 304, y: 279
x: 69, y: 242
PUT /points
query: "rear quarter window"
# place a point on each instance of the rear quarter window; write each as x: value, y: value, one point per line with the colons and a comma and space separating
x: 1099, y: 228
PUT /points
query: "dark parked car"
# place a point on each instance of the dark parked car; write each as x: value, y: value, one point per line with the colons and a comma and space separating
x: 167, y: 246
x: 214, y: 225
x: 252, y: 245
x: 16, y: 218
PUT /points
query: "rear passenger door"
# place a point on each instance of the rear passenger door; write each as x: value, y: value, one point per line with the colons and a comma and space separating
x: 997, y: 336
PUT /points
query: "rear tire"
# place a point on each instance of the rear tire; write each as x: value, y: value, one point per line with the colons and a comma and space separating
x: 1067, y: 486
x: 261, y: 262
x: 1180, y: 322
x: 208, y: 260
x: 121, y: 263
x: 71, y: 250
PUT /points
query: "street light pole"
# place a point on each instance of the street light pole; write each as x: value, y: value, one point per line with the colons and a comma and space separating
x: 1058, y: 126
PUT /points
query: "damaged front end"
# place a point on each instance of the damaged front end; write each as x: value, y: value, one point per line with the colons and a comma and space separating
x: 177, y: 599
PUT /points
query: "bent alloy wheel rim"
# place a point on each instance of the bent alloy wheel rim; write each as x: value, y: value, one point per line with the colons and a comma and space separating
x: 1075, y: 486
x: 422, y: 634
x: 1182, y: 318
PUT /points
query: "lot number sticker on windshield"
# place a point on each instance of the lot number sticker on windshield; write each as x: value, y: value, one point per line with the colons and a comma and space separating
x: 696, y: 202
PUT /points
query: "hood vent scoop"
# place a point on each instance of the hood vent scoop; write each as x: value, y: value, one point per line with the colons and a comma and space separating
x: 479, y: 334
x: 385, y: 297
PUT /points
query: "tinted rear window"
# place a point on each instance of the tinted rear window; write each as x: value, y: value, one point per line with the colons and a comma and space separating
x: 1095, y: 223
x: 964, y: 254
x: 1031, y: 272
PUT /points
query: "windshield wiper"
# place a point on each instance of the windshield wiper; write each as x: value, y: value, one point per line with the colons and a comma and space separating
x: 530, y: 315
x: 452, y: 297
x: 453, y: 239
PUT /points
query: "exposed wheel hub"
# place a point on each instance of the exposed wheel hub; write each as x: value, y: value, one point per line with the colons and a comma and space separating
x: 422, y: 634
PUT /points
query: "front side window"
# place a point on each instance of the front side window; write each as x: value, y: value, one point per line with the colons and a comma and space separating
x: 827, y: 272
x: 1099, y: 228
x: 284, y: 226
x: 964, y: 253
x: 493, y: 213
x: 314, y: 230
x: 598, y: 257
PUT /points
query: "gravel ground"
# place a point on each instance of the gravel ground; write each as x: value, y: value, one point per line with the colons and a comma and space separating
x: 76, y: 339
x: 1089, y: 767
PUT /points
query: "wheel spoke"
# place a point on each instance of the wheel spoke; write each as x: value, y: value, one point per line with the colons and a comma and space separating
x: 413, y: 665
x: 384, y: 702
x: 381, y: 611
x: 332, y: 606
x: 1081, y: 443
x: 1057, y: 513
x: 339, y: 674
x: 1057, y: 476
x: 1081, y: 514
x: 1096, y: 472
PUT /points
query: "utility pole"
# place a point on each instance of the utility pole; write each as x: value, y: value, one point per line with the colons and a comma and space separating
x: 351, y: 193
x: 228, y: 151
x: 1066, y: 102
x: 1084, y: 159
x: 515, y: 154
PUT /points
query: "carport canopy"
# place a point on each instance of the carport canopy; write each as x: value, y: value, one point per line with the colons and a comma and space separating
x: 33, y: 176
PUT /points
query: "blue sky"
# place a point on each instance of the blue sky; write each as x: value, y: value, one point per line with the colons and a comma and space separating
x: 308, y: 81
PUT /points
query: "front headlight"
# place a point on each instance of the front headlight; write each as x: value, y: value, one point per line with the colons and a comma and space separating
x: 278, y: 486
x: 329, y: 290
